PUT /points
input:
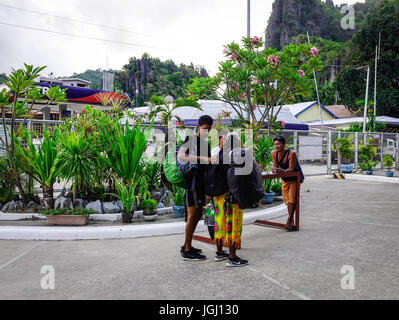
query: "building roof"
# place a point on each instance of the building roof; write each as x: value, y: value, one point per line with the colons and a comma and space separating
x: 347, y: 121
x: 340, y: 111
x: 214, y: 107
x: 74, y: 79
x: 299, y: 108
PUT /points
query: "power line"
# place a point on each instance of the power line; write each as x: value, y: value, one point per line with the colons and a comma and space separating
x: 85, y: 37
x: 81, y: 21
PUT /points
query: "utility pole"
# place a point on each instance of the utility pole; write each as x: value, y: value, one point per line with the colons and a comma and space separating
x: 375, y: 82
x: 367, y: 98
x: 377, y: 57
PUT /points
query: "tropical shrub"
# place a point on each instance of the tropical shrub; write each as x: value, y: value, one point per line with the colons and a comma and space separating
x: 149, y: 204
x: 263, y: 152
x: 345, y: 148
x: 77, y: 160
x: 178, y: 196
x: 388, y: 162
x: 368, y: 152
x: 125, y: 148
x: 44, y: 162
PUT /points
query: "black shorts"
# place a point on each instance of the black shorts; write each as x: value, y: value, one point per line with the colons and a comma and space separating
x: 190, y: 201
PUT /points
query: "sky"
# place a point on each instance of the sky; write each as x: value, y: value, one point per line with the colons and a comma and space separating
x: 186, y: 31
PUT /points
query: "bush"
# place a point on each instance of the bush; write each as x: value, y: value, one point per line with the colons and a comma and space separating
x: 178, y: 196
x: 387, y: 161
x: 149, y: 204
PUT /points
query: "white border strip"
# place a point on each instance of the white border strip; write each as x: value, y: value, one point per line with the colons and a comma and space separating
x: 371, y: 178
x: 121, y: 232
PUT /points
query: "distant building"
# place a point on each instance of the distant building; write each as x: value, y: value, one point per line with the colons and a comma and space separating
x: 69, y: 82
x: 392, y: 124
x: 307, y: 112
x: 340, y: 111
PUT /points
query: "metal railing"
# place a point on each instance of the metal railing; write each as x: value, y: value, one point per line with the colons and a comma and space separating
x: 317, y: 150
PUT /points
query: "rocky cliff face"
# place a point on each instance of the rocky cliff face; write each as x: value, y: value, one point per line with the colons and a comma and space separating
x: 293, y: 17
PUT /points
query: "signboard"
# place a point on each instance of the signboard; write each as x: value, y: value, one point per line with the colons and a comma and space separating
x: 310, y: 148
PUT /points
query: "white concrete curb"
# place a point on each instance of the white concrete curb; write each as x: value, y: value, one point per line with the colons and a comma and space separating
x: 6, y: 216
x: 371, y: 178
x: 121, y: 232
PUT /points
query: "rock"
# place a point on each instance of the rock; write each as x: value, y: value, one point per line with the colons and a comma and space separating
x: 95, y: 206
x: 32, y: 207
x: 13, y: 206
x: 162, y: 191
x: 156, y: 196
x: 109, y: 207
x: 161, y: 205
x: 119, y: 204
x: 62, y: 194
x: 63, y: 202
x: 69, y: 194
x: 78, y: 203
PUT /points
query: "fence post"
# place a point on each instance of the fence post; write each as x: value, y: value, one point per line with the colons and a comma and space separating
x: 356, y: 150
x: 329, y: 145
x: 296, y: 141
x: 339, y: 154
x: 397, y: 150
x: 382, y: 150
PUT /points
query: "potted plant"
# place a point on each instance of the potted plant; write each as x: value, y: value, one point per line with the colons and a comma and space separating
x: 127, y: 197
x: 387, y: 162
x: 178, y: 197
x: 346, y: 149
x: 67, y: 217
x: 269, y: 194
x: 276, y: 188
x: 368, y: 153
x: 149, y: 207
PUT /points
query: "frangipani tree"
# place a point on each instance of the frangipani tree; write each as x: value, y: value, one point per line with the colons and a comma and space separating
x: 259, y: 82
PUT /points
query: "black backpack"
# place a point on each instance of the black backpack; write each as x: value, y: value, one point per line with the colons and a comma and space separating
x: 215, y: 178
x: 246, y: 190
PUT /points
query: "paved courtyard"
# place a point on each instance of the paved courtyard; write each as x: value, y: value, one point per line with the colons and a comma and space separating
x: 351, y: 223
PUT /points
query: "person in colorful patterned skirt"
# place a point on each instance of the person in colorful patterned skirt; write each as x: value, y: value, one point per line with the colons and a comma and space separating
x: 228, y: 215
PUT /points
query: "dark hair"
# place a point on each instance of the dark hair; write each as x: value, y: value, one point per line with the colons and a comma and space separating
x: 280, y: 138
x: 205, y: 119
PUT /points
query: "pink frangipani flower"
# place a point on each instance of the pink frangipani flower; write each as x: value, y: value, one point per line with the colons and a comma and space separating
x: 314, y: 52
x: 255, y: 40
x: 301, y: 73
x: 234, y: 56
x: 273, y: 60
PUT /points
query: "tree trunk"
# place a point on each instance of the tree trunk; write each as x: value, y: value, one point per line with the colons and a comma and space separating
x: 48, y: 199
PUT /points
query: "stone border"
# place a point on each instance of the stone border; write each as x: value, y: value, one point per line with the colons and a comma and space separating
x: 121, y: 232
x: 8, y: 216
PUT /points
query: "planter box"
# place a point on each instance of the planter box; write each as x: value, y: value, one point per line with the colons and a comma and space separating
x: 347, y: 168
x: 67, y: 220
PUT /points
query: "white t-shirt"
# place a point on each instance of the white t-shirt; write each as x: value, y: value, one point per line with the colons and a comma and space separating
x: 215, y: 151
